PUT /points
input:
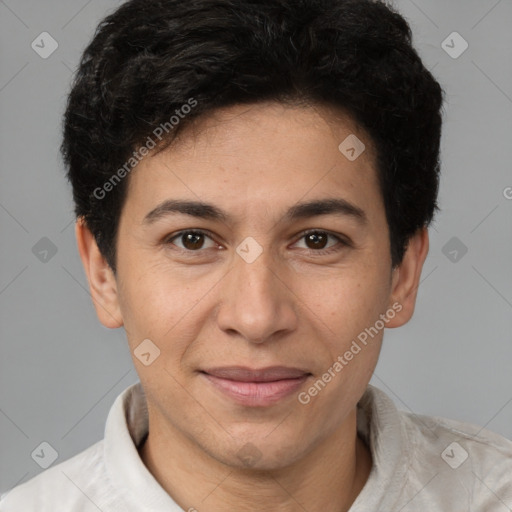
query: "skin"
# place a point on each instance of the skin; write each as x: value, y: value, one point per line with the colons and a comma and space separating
x: 207, y: 306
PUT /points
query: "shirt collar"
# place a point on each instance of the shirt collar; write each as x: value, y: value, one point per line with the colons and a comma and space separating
x: 380, y: 425
x: 126, y: 427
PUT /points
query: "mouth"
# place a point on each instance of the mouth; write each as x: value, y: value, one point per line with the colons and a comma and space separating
x: 256, y: 387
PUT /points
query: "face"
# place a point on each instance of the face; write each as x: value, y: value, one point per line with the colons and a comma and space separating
x: 254, y: 242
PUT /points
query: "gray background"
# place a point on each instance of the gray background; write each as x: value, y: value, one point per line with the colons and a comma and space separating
x: 60, y: 370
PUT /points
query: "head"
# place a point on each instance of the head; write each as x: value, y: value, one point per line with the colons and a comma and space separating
x: 253, y: 182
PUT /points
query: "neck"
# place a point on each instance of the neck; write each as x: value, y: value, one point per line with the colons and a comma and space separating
x: 328, y: 478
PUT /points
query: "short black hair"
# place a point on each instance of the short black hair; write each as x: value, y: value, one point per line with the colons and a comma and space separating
x: 150, y: 58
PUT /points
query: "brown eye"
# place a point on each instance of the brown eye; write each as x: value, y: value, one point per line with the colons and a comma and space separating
x: 191, y: 240
x: 316, y: 240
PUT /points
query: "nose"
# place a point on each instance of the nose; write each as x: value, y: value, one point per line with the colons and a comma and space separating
x: 257, y: 301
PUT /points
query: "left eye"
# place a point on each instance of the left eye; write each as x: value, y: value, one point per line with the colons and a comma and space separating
x: 318, y: 240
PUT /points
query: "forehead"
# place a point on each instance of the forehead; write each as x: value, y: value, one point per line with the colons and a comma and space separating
x: 260, y: 157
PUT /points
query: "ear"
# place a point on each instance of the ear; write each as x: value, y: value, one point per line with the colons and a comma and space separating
x: 406, y: 278
x: 102, y: 282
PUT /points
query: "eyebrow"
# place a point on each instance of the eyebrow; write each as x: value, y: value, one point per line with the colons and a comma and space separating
x: 304, y: 210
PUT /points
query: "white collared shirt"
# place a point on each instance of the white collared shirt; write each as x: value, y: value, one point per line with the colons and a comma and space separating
x: 420, y: 464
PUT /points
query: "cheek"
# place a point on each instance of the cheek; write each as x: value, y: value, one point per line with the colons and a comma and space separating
x: 163, y: 304
x: 348, y: 299
x: 346, y: 311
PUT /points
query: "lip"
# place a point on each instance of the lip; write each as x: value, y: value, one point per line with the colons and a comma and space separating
x: 256, y: 387
x: 246, y: 374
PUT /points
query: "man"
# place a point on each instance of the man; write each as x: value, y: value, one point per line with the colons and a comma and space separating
x: 253, y: 183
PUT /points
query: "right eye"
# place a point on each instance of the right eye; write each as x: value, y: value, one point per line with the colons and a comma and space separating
x: 191, y: 240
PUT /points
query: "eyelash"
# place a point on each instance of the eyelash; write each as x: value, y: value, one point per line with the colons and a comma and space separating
x: 342, y: 243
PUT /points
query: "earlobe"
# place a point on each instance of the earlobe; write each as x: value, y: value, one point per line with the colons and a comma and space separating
x: 102, y: 282
x: 406, y: 278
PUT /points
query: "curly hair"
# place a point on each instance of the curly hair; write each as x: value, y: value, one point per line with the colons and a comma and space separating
x: 148, y: 58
